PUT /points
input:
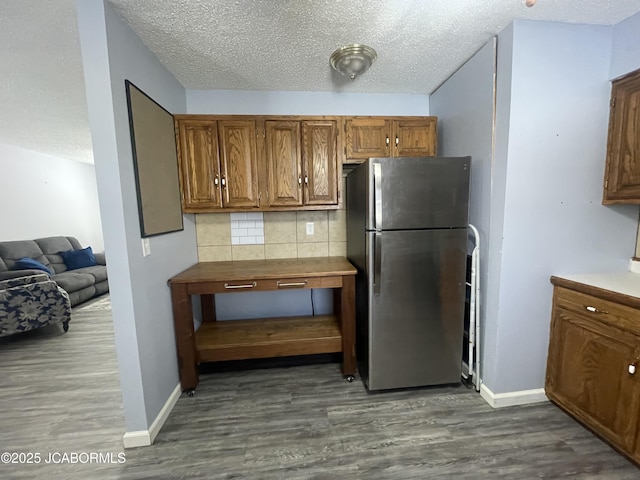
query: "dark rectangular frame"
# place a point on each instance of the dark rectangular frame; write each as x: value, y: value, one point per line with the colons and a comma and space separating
x: 155, y: 162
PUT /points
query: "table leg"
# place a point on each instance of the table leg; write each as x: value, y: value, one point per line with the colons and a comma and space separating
x: 208, y: 305
x: 185, y: 336
x: 348, y: 324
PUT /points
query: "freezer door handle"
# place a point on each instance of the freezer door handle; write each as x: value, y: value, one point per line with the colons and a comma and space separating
x: 377, y: 195
x: 377, y: 262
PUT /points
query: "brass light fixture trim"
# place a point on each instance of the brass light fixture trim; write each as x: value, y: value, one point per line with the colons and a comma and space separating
x: 353, y: 60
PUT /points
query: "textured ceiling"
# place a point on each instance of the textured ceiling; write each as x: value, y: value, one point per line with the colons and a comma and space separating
x: 42, y: 99
x: 251, y: 45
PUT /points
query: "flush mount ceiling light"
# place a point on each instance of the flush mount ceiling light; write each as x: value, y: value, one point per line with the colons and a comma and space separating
x: 353, y: 60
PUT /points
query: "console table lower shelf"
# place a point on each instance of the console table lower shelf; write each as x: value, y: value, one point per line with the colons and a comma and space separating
x: 218, y: 341
x: 268, y: 337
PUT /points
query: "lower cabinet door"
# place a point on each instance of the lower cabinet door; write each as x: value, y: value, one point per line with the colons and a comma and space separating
x: 589, y: 375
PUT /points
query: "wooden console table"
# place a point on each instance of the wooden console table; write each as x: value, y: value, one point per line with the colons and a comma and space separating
x: 268, y: 337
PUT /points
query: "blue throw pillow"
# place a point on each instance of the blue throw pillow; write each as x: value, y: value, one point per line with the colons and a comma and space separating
x: 74, y: 259
x: 29, y: 263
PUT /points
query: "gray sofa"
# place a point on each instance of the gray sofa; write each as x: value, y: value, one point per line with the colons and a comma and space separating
x: 81, y: 284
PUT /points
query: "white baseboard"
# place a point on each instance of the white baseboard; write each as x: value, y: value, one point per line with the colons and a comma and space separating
x: 144, y: 438
x: 509, y: 399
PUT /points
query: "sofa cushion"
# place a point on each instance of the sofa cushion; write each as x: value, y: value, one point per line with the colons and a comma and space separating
x: 51, y: 246
x: 72, y: 281
x: 30, y: 263
x: 12, y: 251
x: 99, y: 272
x: 75, y: 259
x: 3, y: 266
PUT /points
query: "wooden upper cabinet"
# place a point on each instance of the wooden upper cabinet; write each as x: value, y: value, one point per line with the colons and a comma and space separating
x: 255, y: 162
x: 622, y: 171
x: 284, y: 165
x: 368, y: 137
x: 415, y: 138
x: 199, y: 164
x: 239, y: 162
x: 320, y: 161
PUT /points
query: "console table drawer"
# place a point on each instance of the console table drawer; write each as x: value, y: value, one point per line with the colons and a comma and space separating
x: 285, y: 283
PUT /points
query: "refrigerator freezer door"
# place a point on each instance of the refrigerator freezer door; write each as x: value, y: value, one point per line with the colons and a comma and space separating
x: 416, y: 193
x: 415, y: 322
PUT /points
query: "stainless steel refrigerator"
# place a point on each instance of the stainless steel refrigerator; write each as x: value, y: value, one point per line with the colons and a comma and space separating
x: 407, y: 236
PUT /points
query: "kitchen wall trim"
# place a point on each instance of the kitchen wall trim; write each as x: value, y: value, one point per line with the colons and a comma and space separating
x: 510, y: 399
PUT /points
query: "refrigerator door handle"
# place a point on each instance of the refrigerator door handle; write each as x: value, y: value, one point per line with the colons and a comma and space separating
x: 377, y: 262
x: 377, y: 195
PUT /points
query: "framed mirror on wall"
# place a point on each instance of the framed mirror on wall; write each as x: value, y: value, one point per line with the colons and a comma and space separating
x: 155, y: 162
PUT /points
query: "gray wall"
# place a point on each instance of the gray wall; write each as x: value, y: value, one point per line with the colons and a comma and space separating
x: 140, y: 296
x: 43, y: 195
x: 554, y: 222
x: 537, y: 197
x: 491, y: 290
x: 625, y: 55
x: 304, y: 103
x: 464, y: 105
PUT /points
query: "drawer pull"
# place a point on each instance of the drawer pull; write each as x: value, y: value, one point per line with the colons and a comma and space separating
x: 248, y: 285
x: 291, y: 284
x: 591, y: 309
x: 632, y: 369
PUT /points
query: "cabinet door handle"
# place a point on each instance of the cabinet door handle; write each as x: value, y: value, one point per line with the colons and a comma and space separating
x: 224, y: 182
x: 215, y: 180
x: 247, y: 285
x: 632, y: 369
x: 397, y: 141
x: 591, y: 309
x: 299, y: 180
x: 306, y: 180
x: 291, y: 284
x: 387, y: 141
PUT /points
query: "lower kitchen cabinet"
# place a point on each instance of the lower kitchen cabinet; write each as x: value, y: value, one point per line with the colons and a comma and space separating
x: 594, y: 352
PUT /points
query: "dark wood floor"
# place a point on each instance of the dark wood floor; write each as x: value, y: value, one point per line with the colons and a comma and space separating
x: 60, y: 393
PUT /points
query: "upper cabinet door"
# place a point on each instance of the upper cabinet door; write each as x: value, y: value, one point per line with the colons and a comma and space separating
x: 319, y: 140
x: 199, y: 164
x: 368, y: 137
x: 622, y: 176
x: 239, y: 178
x: 282, y: 148
x: 414, y: 138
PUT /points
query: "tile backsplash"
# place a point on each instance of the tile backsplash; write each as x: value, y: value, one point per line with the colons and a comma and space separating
x: 266, y: 235
x: 225, y: 236
x: 247, y: 228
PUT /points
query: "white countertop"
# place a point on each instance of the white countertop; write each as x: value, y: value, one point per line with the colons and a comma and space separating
x: 626, y: 283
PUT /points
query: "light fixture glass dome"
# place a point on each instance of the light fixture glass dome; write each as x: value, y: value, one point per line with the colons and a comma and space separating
x: 353, y: 60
